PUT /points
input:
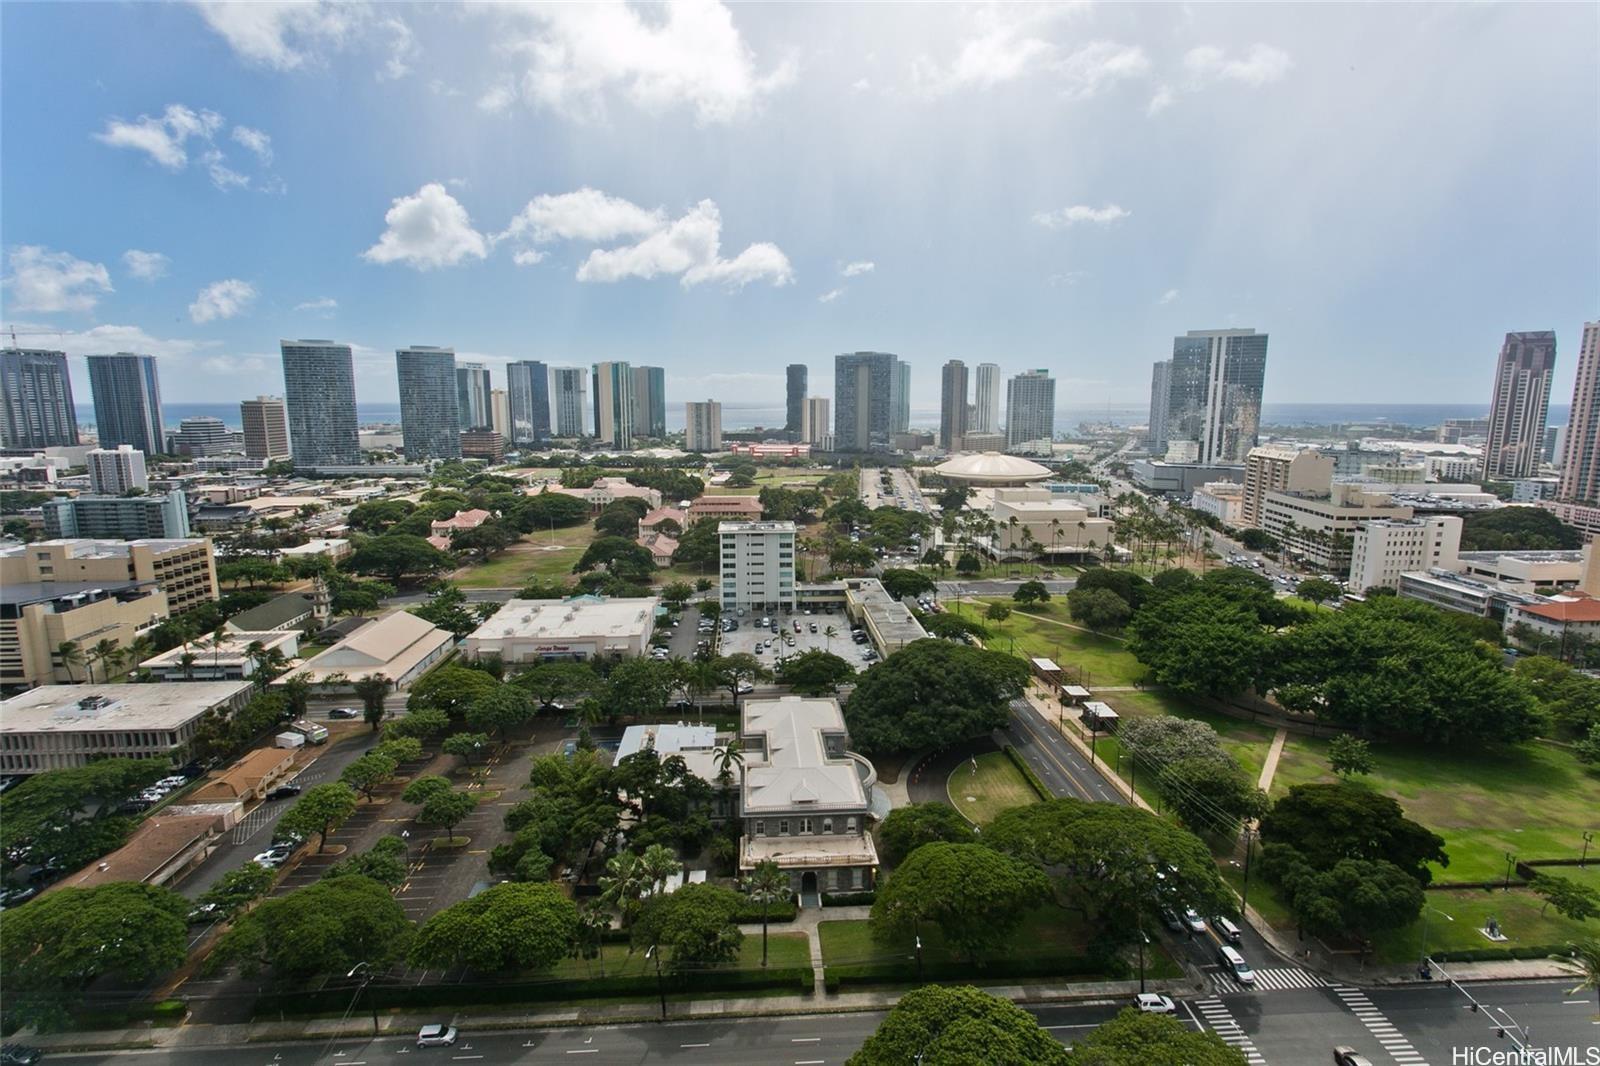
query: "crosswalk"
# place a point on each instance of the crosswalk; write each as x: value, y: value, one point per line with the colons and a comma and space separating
x: 1398, y: 1047
x: 1274, y: 980
x: 1221, y: 1022
x: 251, y: 824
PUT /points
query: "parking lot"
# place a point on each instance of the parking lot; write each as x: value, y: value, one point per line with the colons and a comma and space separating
x: 752, y: 639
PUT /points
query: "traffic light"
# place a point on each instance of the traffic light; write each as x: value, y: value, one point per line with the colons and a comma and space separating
x: 1500, y: 1031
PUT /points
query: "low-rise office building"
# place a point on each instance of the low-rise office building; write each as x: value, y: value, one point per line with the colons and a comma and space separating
x: 580, y: 627
x: 292, y: 610
x: 889, y: 623
x: 1450, y: 591
x: 1322, y: 528
x: 233, y: 659
x: 185, y: 570
x: 161, y: 850
x: 605, y: 490
x: 1034, y: 519
x: 55, y: 727
x: 333, y: 548
x: 400, y: 647
x: 39, y: 619
x: 250, y: 778
x: 724, y: 508
x: 1565, y: 621
x: 1181, y: 479
x: 1223, y: 500
x: 161, y: 517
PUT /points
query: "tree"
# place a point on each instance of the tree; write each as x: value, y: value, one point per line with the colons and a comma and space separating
x: 765, y: 886
x: 997, y: 612
x: 1518, y: 529
x: 932, y: 693
x: 552, y: 682
x: 620, y: 518
x: 1572, y: 899
x: 397, y: 556
x: 677, y: 593
x: 695, y: 925
x: 1330, y: 822
x: 418, y: 724
x: 738, y: 669
x: 447, y: 810
x: 902, y: 583
x: 1099, y: 608
x: 659, y: 866
x: 1317, y: 590
x: 973, y: 894
x: 1588, y: 749
x: 1349, y: 755
x: 1583, y: 962
x: 968, y: 564
x: 509, y: 928
x: 107, y: 653
x: 1204, y: 785
x: 1031, y: 592
x: 48, y: 814
x: 70, y: 652
x: 551, y: 510
x: 296, y: 692
x: 384, y: 862
x: 1134, y: 1038
x: 624, y: 885
x: 1569, y: 698
x: 500, y: 710
x: 368, y: 772
x: 620, y: 556
x: 400, y: 749
x: 425, y: 788
x: 325, y: 928
x: 1199, y: 642
x: 54, y: 946
x: 1355, y: 897
x: 485, y: 540
x: 237, y: 889
x: 451, y: 689
x: 466, y: 745
x: 814, y: 672
x: 320, y: 811
x: 938, y: 1025
x: 908, y: 828
x: 638, y: 688
x: 372, y: 690
x: 448, y: 609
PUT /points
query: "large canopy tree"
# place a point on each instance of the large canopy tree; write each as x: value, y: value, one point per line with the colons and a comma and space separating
x: 932, y: 693
x: 509, y: 928
x: 325, y: 928
x: 973, y: 894
x: 939, y: 1026
x: 1329, y: 822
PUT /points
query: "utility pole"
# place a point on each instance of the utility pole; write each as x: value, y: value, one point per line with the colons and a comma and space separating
x: 1244, y: 896
x: 661, y: 989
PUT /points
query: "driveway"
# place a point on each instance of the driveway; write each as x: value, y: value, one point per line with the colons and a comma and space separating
x: 747, y: 637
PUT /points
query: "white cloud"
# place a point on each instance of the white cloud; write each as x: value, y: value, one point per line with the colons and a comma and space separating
x: 1170, y: 296
x: 691, y: 248
x: 223, y: 176
x: 42, y: 280
x: 1006, y: 43
x: 113, y: 338
x: 222, y: 299
x: 324, y: 306
x: 283, y: 34
x: 1162, y: 100
x: 1099, y: 65
x: 1067, y: 279
x: 527, y: 257
x: 427, y: 230
x: 255, y: 140
x: 686, y: 54
x: 402, y: 50
x: 585, y: 215
x: 162, y: 139
x: 497, y: 99
x: 146, y: 266
x: 1264, y: 64
x: 860, y: 85
x: 859, y: 267
x: 1071, y: 216
x: 830, y: 296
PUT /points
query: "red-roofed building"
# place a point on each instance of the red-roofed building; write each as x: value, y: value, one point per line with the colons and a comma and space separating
x: 444, y: 527
x: 1563, y: 618
x: 649, y: 522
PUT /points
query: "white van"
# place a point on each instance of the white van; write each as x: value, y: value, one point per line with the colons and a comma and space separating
x: 1234, y: 963
x: 1226, y: 929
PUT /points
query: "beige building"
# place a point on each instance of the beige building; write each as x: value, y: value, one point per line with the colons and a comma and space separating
x: 888, y: 622
x: 581, y: 627
x: 185, y: 570
x: 702, y: 426
x: 1275, y: 468
x: 207, y: 660
x: 733, y: 508
x: 399, y: 646
x: 1322, y: 528
x: 335, y: 548
x: 1057, y: 524
x: 1382, y: 550
x: 1223, y: 500
x: 59, y: 726
x: 604, y: 491
x: 38, y: 618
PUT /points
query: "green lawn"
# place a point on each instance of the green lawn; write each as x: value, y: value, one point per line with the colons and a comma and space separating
x: 1049, y: 931
x: 997, y: 786
x: 784, y: 949
x: 531, y: 559
x: 1099, y: 660
x: 1245, y: 741
x: 1534, y: 800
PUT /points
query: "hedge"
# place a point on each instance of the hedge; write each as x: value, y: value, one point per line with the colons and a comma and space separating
x: 1027, y: 772
x: 750, y: 913
x: 849, y: 899
x: 905, y: 972
x: 1501, y: 954
x: 490, y: 992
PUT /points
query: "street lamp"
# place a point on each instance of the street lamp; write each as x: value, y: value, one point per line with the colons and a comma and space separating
x: 1511, y: 861
x: 1583, y: 860
x: 1244, y: 895
x: 1425, y: 971
x: 661, y: 989
x: 366, y: 980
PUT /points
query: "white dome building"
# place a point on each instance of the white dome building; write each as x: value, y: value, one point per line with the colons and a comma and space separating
x: 991, y: 469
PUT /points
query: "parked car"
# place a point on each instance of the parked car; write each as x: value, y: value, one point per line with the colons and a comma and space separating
x: 344, y: 712
x: 270, y: 859
x: 1151, y: 1003
x: 813, y: 626
x: 202, y: 913
x: 1171, y: 920
x: 436, y: 1036
x: 284, y: 792
x: 19, y: 1055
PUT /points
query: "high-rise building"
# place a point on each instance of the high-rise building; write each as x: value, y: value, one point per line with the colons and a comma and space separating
x: 500, y: 412
x: 613, y: 404
x: 703, y: 426
x: 430, y: 394
x: 650, y: 401
x: 127, y: 401
x: 952, y: 405
x: 319, y: 391
x: 472, y: 395
x: 1160, y: 387
x: 1580, y: 446
x: 36, y: 392
x: 986, y: 390
x: 1214, y: 392
x: 757, y: 565
x: 864, y: 394
x: 1030, y: 409
x: 569, y: 402
x: 266, y: 427
x: 200, y: 435
x: 816, y: 424
x: 794, y: 400
x: 1279, y: 468
x: 1521, y: 402
x: 528, y: 388
x: 902, y: 396
x: 113, y: 471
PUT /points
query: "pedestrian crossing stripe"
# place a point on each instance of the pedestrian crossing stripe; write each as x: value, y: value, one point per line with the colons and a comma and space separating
x: 1273, y: 980
x: 1393, y: 1041
x: 1221, y: 1022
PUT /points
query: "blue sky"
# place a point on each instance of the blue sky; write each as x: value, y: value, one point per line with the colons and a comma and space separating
x: 1387, y: 189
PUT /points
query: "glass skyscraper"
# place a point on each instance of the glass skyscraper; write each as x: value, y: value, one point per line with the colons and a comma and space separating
x: 127, y: 401
x: 472, y: 396
x: 1030, y: 408
x: 37, y: 395
x: 794, y: 398
x: 1520, y: 405
x: 613, y: 404
x: 650, y: 401
x: 528, y: 394
x: 865, y: 391
x: 1214, y: 392
x: 429, y: 422
x: 319, y: 390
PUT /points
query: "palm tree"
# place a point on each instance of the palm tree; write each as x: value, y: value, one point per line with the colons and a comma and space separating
x: 186, y: 663
x: 766, y: 885
x: 219, y: 637
x: 373, y: 689
x: 659, y: 866
x: 828, y: 633
x: 1583, y: 962
x: 71, y: 654
x: 623, y: 885
x: 727, y: 757
x: 103, y: 652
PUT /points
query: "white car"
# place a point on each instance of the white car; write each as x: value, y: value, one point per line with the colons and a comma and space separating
x: 1150, y: 1003
x: 1193, y: 920
x: 270, y: 859
x: 436, y: 1036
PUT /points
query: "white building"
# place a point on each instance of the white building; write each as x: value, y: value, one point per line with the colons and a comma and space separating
x: 335, y: 548
x: 1384, y: 549
x: 1223, y: 500
x: 757, y: 564
x: 1322, y: 528
x: 986, y: 388
x: 1034, y: 518
x: 1453, y: 467
x: 113, y: 471
x: 229, y: 660
x: 702, y: 426
x: 54, y: 727
x: 399, y: 646
x: 1523, y: 490
x: 1031, y: 412
x: 582, y: 627
x: 816, y: 422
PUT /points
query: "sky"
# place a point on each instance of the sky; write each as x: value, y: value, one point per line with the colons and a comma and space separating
x: 722, y: 190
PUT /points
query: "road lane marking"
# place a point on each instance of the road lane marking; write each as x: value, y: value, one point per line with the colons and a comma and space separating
x: 694, y: 1045
x: 805, y: 1039
x: 583, y: 1051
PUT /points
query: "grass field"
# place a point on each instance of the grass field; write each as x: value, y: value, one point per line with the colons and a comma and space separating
x: 1099, y: 660
x: 530, y: 559
x: 771, y: 477
x: 1245, y: 741
x: 996, y: 786
x: 1534, y: 800
x: 784, y: 949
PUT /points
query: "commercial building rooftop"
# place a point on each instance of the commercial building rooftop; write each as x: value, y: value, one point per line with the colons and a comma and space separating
x: 585, y: 615
x: 79, y: 708
x: 797, y: 772
x: 991, y: 468
x: 23, y: 593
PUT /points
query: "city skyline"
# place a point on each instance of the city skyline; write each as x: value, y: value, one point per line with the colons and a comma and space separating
x: 1081, y: 262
